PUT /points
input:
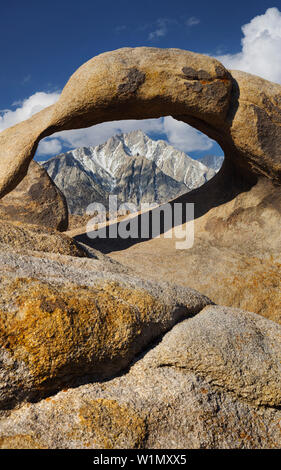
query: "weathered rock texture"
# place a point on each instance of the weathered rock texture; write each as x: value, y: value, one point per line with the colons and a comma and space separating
x: 184, y: 393
x: 24, y: 238
x: 67, y: 323
x: 55, y: 330
x: 36, y: 200
x: 236, y: 350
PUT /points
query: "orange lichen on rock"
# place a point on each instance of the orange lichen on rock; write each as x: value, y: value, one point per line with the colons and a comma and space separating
x: 113, y: 425
x: 20, y: 441
x: 68, y: 330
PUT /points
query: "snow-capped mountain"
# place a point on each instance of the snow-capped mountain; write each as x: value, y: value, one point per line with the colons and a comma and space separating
x: 212, y: 161
x: 134, y: 167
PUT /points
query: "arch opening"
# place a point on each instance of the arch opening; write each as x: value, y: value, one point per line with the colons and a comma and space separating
x: 139, y: 161
x: 144, y: 83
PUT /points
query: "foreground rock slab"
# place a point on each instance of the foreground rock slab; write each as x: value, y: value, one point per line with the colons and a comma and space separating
x: 55, y: 331
x: 166, y: 400
x: 235, y: 350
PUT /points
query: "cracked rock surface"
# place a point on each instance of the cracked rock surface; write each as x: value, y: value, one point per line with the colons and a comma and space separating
x: 164, y: 403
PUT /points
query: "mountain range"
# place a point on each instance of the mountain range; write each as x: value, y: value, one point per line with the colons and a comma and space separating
x: 132, y: 166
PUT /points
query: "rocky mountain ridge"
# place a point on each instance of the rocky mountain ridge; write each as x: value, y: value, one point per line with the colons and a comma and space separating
x: 134, y: 167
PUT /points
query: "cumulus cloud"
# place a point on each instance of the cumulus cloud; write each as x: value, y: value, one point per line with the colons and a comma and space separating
x: 261, y: 47
x: 185, y: 137
x: 49, y: 146
x: 26, y: 108
x: 99, y: 133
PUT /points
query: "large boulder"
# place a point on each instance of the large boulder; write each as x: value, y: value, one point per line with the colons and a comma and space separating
x: 58, y: 323
x: 36, y: 200
x: 90, y: 324
x: 232, y: 349
x: 189, y: 391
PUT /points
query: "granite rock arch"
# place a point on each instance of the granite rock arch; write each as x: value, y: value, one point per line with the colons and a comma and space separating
x: 238, y: 110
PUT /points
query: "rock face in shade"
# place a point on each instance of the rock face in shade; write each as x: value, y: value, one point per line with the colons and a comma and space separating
x: 235, y: 259
x: 36, y: 200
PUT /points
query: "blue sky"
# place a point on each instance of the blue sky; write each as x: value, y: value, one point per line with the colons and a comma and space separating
x: 43, y: 43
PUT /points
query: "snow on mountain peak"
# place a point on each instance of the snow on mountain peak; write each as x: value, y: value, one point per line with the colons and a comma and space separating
x: 132, y: 165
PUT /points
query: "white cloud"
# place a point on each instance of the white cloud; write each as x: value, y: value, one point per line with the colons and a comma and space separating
x: 29, y: 106
x: 184, y: 137
x: 99, y: 133
x: 161, y: 29
x: 261, y: 47
x: 192, y: 21
x: 49, y: 146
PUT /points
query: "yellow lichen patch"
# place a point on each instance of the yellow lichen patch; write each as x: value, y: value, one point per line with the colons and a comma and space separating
x: 20, y: 441
x: 69, y: 330
x: 113, y: 425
